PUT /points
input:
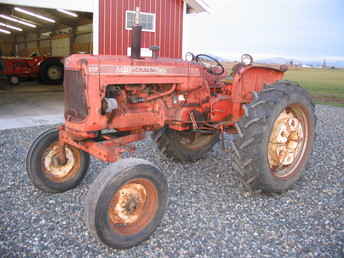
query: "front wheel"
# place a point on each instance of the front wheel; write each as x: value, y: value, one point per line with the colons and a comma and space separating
x: 275, y: 138
x: 14, y: 80
x: 126, y: 203
x: 45, y: 169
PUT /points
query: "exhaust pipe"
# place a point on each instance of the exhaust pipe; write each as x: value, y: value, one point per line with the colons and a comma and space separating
x: 136, y: 37
x: 136, y: 42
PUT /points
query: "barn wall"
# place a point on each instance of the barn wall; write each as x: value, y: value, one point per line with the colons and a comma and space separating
x: 32, y: 43
x: 114, y: 39
x: 83, y: 43
x: 45, y: 46
x: 6, y: 47
x: 58, y: 44
x: 83, y: 39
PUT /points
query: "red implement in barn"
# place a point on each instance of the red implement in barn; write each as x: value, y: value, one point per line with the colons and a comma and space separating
x: 111, y: 101
x: 48, y: 70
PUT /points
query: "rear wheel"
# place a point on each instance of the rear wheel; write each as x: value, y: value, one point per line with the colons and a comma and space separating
x: 45, y: 169
x: 51, y: 71
x: 126, y: 203
x: 185, y: 146
x: 275, y: 138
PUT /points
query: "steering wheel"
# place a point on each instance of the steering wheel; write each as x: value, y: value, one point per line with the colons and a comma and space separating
x: 212, y: 65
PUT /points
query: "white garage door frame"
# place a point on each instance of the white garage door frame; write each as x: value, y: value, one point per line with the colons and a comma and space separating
x: 91, y: 6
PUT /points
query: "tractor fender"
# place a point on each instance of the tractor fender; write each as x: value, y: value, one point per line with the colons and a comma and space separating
x: 253, y: 78
x: 240, y: 69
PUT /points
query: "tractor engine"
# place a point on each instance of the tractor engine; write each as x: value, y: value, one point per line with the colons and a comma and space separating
x: 128, y: 94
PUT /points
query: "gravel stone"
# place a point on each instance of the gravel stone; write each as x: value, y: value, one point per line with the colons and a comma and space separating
x: 208, y: 214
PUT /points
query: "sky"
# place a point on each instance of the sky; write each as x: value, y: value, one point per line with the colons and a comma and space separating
x: 303, y: 29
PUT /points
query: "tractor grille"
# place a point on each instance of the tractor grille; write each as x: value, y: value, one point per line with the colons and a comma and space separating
x: 74, y: 96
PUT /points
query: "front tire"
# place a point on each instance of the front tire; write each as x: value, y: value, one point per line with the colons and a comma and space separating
x: 275, y: 138
x: 44, y: 170
x: 185, y: 146
x: 126, y: 203
x: 14, y: 80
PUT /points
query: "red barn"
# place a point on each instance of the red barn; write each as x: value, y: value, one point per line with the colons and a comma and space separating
x: 162, y: 22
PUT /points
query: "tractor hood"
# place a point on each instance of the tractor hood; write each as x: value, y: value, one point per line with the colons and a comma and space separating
x: 126, y: 66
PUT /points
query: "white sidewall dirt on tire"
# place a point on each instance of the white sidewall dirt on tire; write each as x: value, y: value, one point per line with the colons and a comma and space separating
x: 37, y: 172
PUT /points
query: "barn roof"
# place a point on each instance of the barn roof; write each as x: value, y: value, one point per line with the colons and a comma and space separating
x: 197, y: 6
x: 194, y: 6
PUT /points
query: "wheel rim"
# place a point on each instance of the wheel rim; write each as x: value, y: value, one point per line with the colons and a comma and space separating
x: 54, y: 72
x: 133, y: 206
x: 193, y: 140
x: 288, y: 141
x: 60, y: 172
x: 14, y: 79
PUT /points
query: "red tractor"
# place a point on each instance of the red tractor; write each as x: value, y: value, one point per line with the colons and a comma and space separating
x: 112, y: 101
x: 48, y: 70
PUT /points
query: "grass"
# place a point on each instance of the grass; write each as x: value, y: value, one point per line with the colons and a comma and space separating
x: 325, y: 85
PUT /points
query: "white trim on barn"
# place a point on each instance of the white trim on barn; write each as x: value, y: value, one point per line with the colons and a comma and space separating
x: 152, y: 15
x: 95, y: 28
x: 184, y: 32
x: 198, y: 6
x: 84, y: 6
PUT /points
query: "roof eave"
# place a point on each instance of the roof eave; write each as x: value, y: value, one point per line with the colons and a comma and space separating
x: 198, y: 6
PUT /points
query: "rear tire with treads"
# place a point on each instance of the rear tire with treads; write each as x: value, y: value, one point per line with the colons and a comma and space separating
x: 251, y: 145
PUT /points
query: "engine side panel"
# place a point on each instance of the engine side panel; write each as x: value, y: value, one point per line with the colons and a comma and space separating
x: 98, y: 73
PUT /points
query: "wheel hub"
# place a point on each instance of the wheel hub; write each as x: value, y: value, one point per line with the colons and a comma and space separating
x: 131, y: 199
x: 286, y: 140
x: 54, y: 73
x: 54, y: 167
x: 193, y: 140
x: 14, y: 79
x: 188, y: 138
x: 133, y: 206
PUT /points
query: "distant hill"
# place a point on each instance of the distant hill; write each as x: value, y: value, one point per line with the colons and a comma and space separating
x: 282, y: 60
x: 336, y: 63
x: 276, y: 60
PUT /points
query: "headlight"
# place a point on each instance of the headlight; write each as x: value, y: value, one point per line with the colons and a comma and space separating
x: 246, y: 59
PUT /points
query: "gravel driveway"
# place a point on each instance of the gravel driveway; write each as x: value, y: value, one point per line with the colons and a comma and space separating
x: 208, y: 214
